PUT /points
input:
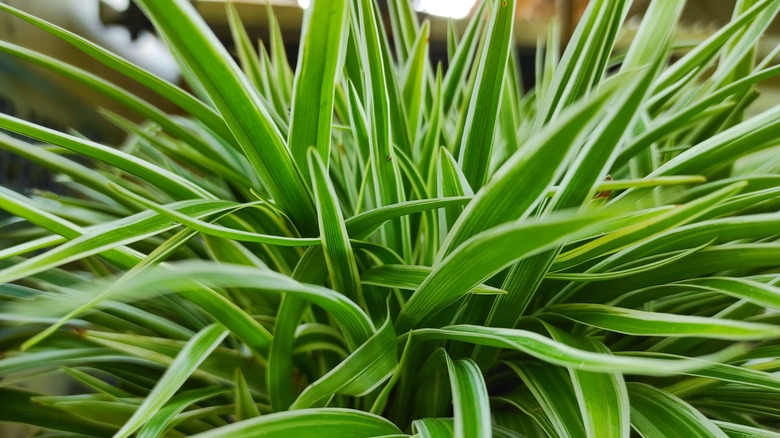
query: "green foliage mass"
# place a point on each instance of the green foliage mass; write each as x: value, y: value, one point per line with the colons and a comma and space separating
x: 372, y: 245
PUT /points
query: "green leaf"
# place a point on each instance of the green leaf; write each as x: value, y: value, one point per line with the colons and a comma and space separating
x: 217, y: 230
x: 96, y: 383
x: 553, y: 390
x: 271, y: 95
x: 386, y: 176
x: 233, y: 97
x: 434, y: 427
x: 452, y: 182
x: 322, y: 51
x: 308, y: 423
x: 754, y: 134
x: 162, y: 352
x: 583, y: 63
x: 706, y: 262
x: 23, y: 207
x: 765, y: 295
x: 59, y: 164
x: 108, y: 236
x: 692, y: 235
x: 150, y: 172
x: 553, y: 352
x: 282, y: 74
x: 477, y: 143
x: 19, y: 407
x: 643, y: 266
x: 187, y: 361
x: 650, y: 42
x: 657, y: 413
x: 426, y: 149
x: 602, y: 397
x: 364, y: 224
x: 410, y: 277
x: 382, y: 399
x: 718, y: 374
x: 162, y: 420
x: 112, y: 413
x: 51, y: 359
x: 365, y: 369
x: 245, y: 403
x: 342, y: 268
x: 593, y: 160
x: 414, y: 85
x: 458, y: 70
x: 108, y: 89
x: 190, y: 277
x: 745, y: 203
x: 702, y: 54
x: 528, y: 405
x: 181, y: 151
x: 641, y: 323
x: 310, y: 269
x: 404, y: 26
x: 469, y: 399
x: 245, y: 50
x: 665, y: 125
x: 645, y: 229
x: 480, y: 257
x: 742, y: 431
x: 576, y: 190
x: 518, y: 184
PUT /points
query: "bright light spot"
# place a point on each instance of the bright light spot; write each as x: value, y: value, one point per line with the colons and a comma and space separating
x: 304, y: 3
x: 445, y: 8
x: 119, y: 5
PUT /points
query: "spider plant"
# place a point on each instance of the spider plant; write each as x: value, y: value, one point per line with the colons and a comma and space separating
x: 372, y: 245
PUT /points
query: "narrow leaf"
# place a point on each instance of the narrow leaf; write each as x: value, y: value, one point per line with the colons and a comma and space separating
x: 469, y: 399
x: 365, y: 369
x: 187, y: 361
x: 657, y: 413
x: 548, y: 350
x: 477, y: 143
x: 235, y: 99
x: 322, y: 51
x: 641, y: 323
x: 339, y: 257
x: 308, y: 423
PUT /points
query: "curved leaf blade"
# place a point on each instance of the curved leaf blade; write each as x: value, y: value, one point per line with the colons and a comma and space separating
x: 482, y: 256
x: 602, y: 397
x: 186, y: 362
x: 469, y: 399
x: 657, y: 413
x: 641, y: 323
x: 553, y: 352
x: 365, y: 369
x: 308, y: 423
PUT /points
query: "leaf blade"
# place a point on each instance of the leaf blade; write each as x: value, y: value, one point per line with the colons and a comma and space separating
x: 242, y: 110
x: 186, y: 362
x: 322, y: 51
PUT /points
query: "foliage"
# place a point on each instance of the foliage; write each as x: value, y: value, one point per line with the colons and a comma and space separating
x: 372, y: 246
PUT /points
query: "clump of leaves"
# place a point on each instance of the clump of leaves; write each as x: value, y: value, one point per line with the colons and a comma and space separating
x: 372, y: 246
